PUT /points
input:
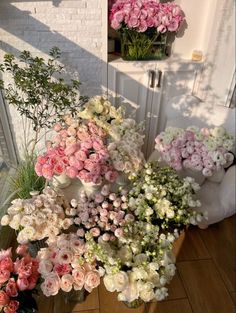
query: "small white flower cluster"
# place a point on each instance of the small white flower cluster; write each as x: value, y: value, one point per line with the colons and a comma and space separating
x: 146, y: 256
x: 159, y: 196
x: 37, y: 218
x: 125, y: 150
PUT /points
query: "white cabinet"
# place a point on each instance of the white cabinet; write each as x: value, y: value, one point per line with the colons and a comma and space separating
x: 145, y: 88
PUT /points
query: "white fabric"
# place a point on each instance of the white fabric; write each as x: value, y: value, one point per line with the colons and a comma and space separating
x: 227, y: 191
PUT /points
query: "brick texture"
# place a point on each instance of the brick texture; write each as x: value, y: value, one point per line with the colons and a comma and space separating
x: 73, y: 26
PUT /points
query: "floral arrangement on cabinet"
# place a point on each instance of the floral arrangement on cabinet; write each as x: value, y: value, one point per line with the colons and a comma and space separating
x: 143, y: 23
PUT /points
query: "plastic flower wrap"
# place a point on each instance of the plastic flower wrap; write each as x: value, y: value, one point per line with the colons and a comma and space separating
x: 66, y: 265
x: 18, y: 280
x: 206, y: 150
x: 78, y: 150
x: 143, y: 15
x: 39, y: 217
x: 160, y: 197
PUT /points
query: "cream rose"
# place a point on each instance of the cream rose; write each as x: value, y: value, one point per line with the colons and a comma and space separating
x: 66, y: 282
x: 92, y: 280
x: 51, y: 285
x: 109, y: 282
x: 147, y: 293
x: 121, y: 280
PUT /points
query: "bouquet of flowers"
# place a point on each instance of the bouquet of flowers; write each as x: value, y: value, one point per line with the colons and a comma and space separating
x: 79, y: 150
x: 138, y: 263
x: 18, y: 280
x: 42, y: 216
x: 141, y: 22
x: 203, y: 150
x: 65, y: 264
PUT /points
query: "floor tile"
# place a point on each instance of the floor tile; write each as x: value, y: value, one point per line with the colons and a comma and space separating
x: 175, y: 288
x: 193, y: 247
x: 110, y: 304
x: 205, y: 288
x: 220, y: 240
x: 176, y: 306
x: 233, y: 296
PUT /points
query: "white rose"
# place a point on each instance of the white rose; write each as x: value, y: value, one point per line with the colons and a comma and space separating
x: 51, y: 285
x: 161, y: 293
x: 130, y: 293
x: 109, y: 282
x: 26, y: 221
x: 66, y: 282
x: 45, y: 267
x: 120, y: 280
x: 5, y: 220
x: 139, y: 273
x: 15, y: 222
x: 218, y: 131
x: 147, y: 293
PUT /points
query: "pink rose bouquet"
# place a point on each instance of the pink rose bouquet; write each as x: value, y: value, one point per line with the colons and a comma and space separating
x: 79, y: 151
x: 18, y: 280
x: 66, y: 265
x: 202, y: 150
x: 141, y: 15
x: 143, y: 23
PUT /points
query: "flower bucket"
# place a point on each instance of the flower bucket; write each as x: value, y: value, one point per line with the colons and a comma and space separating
x: 77, y: 296
x: 134, y: 304
x: 91, y: 187
x: 148, y: 45
x: 61, y: 181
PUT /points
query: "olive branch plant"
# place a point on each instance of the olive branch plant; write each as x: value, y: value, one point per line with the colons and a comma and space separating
x: 39, y: 92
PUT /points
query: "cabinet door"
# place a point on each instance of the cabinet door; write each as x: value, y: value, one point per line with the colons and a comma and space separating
x: 130, y: 85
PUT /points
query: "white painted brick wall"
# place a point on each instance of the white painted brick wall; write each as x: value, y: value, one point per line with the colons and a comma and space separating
x: 73, y: 26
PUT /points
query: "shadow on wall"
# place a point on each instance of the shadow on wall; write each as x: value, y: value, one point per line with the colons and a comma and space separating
x: 33, y: 33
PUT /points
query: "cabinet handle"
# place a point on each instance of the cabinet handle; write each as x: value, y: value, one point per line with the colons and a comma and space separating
x: 153, y: 75
x: 158, y: 85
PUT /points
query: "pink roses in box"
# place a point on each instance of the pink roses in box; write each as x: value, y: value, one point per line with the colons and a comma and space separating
x: 15, y: 278
x: 79, y: 150
x: 141, y: 15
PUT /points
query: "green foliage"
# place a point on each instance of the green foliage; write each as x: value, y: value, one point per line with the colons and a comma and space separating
x: 39, y: 92
x: 26, y: 179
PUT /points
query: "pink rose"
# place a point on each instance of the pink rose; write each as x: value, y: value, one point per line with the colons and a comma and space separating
x: 33, y: 279
x: 97, y: 144
x: 81, y: 155
x: 87, y: 144
x: 38, y: 169
x: 70, y: 149
x: 47, y: 171
x: 133, y: 21
x: 72, y: 172
x: 173, y: 25
x: 115, y: 24
x: 23, y: 267
x: 5, y: 253
x: 95, y: 232
x: 119, y: 232
x: 4, y: 276
x: 4, y: 299
x: 12, y: 307
x: 66, y: 282
x: 143, y: 26
x: 51, y: 285
x: 22, y: 250
x: 22, y: 284
x: 111, y: 176
x: 57, y: 127
x: 59, y: 168
x: 62, y: 269
x: 92, y: 280
x: 41, y: 159
x: 79, y: 278
x: 11, y: 288
x: 6, y: 264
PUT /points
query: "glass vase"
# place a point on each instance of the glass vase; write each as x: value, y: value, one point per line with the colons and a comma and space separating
x: 61, y: 181
x: 134, y: 304
x: 148, y: 45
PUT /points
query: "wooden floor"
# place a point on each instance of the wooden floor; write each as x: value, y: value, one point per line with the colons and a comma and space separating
x: 205, y: 280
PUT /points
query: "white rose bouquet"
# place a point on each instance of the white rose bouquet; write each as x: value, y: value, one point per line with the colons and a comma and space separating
x: 42, y: 216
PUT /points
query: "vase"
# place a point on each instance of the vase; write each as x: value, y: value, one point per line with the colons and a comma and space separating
x: 197, y: 175
x: 35, y: 246
x: 148, y: 45
x: 61, y: 181
x: 134, y: 304
x: 90, y: 187
x: 77, y: 296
